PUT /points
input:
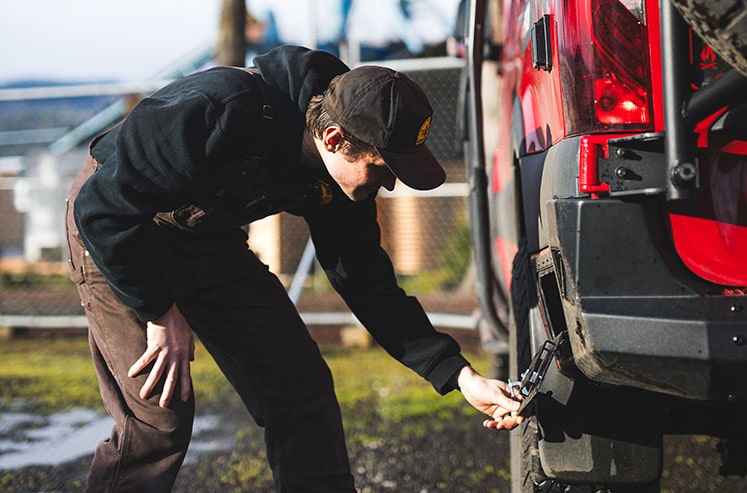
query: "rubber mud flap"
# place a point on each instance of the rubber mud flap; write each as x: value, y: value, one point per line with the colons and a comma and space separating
x: 588, y: 435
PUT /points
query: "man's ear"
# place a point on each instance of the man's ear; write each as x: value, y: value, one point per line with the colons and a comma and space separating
x: 332, y: 138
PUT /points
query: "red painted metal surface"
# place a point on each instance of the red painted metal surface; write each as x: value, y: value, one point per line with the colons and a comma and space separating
x: 606, y: 82
x: 710, y: 231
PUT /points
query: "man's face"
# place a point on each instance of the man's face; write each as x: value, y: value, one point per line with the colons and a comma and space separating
x: 358, y: 177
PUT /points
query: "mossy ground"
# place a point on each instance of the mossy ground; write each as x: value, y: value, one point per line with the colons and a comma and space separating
x: 394, y: 422
x: 402, y: 436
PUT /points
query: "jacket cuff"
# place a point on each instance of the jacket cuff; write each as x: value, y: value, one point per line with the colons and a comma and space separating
x: 442, y: 377
x: 153, y: 312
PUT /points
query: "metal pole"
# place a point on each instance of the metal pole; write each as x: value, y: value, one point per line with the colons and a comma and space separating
x: 302, y: 272
x: 488, y: 290
x: 682, y: 170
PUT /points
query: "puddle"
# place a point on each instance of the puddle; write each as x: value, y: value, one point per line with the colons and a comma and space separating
x: 33, y: 440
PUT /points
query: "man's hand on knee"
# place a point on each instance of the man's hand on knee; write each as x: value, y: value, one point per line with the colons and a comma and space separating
x: 170, y: 347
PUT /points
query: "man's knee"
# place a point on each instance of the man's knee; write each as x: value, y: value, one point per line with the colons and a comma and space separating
x: 163, y: 428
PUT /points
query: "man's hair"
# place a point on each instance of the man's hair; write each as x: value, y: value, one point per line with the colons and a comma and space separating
x: 318, y: 120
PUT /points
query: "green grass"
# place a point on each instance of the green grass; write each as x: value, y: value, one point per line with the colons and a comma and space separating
x: 377, y: 396
x: 47, y: 375
x: 51, y: 375
x: 29, y: 279
x: 376, y: 391
x: 380, y: 399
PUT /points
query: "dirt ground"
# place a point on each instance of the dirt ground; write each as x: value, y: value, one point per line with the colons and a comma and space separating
x: 461, y: 457
x: 421, y: 456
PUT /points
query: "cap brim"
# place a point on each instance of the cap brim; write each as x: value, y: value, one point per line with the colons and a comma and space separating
x: 419, y: 170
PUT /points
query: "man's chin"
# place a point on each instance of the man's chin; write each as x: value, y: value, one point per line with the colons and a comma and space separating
x: 361, y: 195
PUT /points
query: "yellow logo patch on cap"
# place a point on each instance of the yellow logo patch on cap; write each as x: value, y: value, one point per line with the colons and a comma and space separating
x: 423, y: 132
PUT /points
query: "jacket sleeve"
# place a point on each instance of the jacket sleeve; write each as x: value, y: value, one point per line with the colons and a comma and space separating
x: 347, y: 237
x: 161, y: 151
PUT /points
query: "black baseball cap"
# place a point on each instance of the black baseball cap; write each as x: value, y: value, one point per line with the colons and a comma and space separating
x: 386, y: 109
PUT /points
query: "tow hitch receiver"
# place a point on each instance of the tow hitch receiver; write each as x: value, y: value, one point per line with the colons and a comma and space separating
x: 531, y: 379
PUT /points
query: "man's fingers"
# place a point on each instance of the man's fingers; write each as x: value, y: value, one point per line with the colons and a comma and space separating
x: 510, y: 403
x: 168, y: 385
x: 153, y: 377
x: 170, y: 347
x: 173, y: 376
x: 176, y: 371
x: 185, y: 380
x: 141, y: 363
x: 505, y: 422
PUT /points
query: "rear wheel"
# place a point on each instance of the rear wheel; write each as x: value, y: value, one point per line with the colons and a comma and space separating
x: 527, y: 475
x: 722, y: 24
x: 526, y: 470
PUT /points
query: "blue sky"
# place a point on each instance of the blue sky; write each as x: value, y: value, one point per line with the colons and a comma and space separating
x: 132, y: 40
x: 100, y: 39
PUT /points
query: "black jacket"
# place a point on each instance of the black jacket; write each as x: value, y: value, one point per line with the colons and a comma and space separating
x: 191, y: 138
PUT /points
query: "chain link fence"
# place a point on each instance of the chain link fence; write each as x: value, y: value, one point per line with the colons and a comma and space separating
x: 425, y: 233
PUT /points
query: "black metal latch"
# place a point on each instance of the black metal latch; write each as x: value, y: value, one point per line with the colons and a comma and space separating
x: 531, y: 379
x: 542, y: 44
x: 636, y: 165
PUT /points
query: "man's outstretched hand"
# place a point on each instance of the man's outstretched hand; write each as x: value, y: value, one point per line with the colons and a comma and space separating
x: 170, y: 348
x: 492, y: 397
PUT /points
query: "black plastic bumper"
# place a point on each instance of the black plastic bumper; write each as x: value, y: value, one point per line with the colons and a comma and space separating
x: 635, y: 315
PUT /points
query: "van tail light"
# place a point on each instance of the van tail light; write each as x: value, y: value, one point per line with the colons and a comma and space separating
x: 607, y: 78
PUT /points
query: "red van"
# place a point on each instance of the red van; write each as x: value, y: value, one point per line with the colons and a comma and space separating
x: 610, y: 230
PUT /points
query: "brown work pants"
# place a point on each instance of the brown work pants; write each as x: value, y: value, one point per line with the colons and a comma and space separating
x: 242, y: 315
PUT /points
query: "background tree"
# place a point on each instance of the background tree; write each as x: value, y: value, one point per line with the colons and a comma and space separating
x: 231, y: 45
